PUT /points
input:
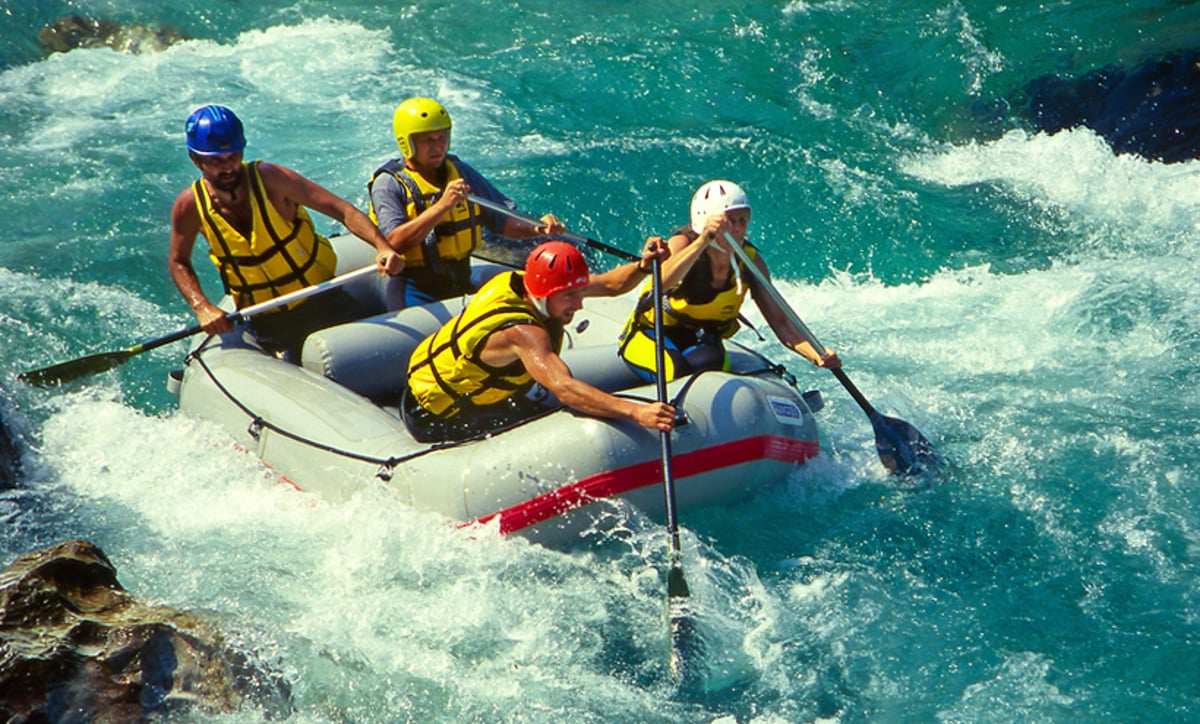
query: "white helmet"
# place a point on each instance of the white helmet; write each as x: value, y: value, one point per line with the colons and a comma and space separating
x: 716, y: 197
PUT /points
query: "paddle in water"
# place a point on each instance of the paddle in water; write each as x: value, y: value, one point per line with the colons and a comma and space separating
x: 684, y: 642
x: 94, y: 364
x: 902, y: 448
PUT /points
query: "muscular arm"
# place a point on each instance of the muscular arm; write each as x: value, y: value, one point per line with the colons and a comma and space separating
x: 615, y: 282
x: 518, y: 229
x: 289, y: 189
x: 185, y: 226
x: 531, y: 345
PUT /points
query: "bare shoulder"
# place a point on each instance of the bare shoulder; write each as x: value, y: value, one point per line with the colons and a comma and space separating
x: 273, y: 173
x: 287, y: 188
x: 282, y: 182
x: 185, y: 203
x: 759, y: 261
x: 520, y: 341
x: 679, y: 241
x: 185, y: 223
x: 528, y: 336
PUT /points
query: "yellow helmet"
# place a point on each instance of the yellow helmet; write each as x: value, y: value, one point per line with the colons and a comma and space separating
x: 418, y: 115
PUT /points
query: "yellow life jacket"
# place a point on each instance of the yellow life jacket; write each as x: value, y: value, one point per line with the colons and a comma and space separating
x: 689, y: 309
x: 685, y: 308
x: 457, y: 235
x: 446, y: 374
x: 280, y: 256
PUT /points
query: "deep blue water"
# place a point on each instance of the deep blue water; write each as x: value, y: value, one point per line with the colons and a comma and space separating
x: 1028, y: 300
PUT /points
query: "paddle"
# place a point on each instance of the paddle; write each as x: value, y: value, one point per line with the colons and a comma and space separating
x: 902, y: 448
x: 569, y: 236
x: 678, y: 613
x: 104, y: 361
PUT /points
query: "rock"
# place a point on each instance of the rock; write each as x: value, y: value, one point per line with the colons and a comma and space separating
x: 10, y: 453
x: 1151, y: 109
x: 75, y: 646
x: 74, y: 31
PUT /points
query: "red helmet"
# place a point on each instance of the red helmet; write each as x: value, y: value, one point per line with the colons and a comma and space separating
x: 554, y: 266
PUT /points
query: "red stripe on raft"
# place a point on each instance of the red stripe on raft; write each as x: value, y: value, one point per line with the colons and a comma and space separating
x: 615, y: 482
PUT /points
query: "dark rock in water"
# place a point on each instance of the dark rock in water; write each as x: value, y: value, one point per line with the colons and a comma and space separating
x: 75, y: 646
x: 74, y: 31
x: 10, y: 455
x: 1152, y: 110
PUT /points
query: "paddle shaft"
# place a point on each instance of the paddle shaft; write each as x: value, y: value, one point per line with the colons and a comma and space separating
x: 799, y: 324
x: 902, y: 448
x: 256, y: 309
x: 312, y: 291
x: 661, y: 385
x: 682, y: 628
x: 568, y: 235
x: 103, y: 361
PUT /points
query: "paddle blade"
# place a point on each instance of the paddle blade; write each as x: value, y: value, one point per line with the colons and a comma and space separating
x: 686, y: 646
x: 902, y: 448
x: 74, y: 369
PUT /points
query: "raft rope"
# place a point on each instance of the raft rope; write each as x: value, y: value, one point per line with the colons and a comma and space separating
x: 388, y: 465
x: 774, y: 368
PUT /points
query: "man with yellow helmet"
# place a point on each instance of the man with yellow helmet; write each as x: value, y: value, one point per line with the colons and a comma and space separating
x: 260, y: 235
x: 420, y: 204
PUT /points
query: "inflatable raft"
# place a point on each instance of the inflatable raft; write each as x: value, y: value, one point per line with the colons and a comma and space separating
x: 331, y: 425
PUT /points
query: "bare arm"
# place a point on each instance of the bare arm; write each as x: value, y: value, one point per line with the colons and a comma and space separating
x: 289, y: 189
x: 518, y: 229
x: 411, y: 233
x: 531, y: 345
x: 615, y: 282
x: 783, y: 328
x: 685, y: 251
x: 185, y: 226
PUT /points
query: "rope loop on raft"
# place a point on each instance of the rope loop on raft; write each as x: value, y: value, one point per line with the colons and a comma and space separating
x: 387, y: 466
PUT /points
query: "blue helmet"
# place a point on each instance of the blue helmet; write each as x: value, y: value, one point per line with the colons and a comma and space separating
x: 214, y: 130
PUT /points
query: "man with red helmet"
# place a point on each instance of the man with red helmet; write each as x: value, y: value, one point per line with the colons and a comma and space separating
x: 468, y: 377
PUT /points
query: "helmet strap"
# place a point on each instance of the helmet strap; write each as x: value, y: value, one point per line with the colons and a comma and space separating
x: 541, y: 305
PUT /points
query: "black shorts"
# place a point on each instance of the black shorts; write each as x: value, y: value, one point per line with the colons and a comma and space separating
x: 467, y: 423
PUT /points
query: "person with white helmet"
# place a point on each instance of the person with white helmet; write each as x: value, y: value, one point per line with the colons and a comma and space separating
x: 704, y: 287
x: 254, y: 216
x: 420, y: 203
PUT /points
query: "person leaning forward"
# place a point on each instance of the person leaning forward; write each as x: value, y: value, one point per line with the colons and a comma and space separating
x: 466, y: 378
x: 260, y: 235
x: 420, y: 203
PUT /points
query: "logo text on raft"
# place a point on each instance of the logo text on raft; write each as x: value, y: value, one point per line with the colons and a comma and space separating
x: 786, y: 411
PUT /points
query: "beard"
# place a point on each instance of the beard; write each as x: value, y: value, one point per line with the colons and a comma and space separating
x: 228, y: 182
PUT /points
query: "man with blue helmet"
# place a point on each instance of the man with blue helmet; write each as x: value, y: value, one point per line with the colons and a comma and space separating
x: 260, y: 235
